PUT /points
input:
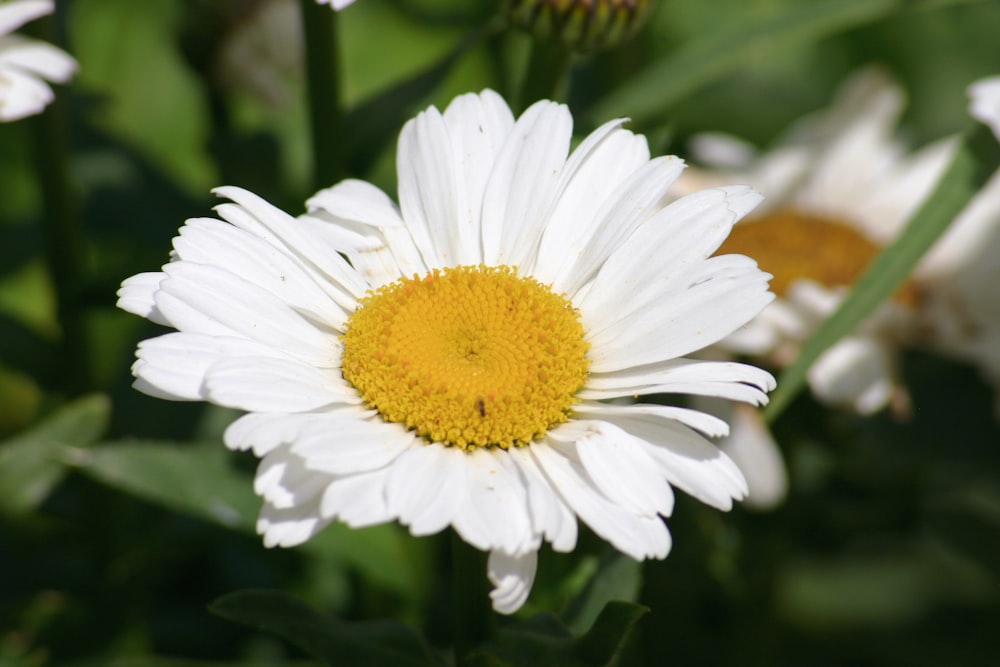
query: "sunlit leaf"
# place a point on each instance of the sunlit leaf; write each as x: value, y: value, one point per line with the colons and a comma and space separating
x: 31, y: 464
x: 195, y: 479
x: 200, y: 479
x: 334, y: 641
x: 976, y: 159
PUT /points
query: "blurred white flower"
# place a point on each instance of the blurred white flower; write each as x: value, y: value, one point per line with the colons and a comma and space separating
x: 456, y: 370
x: 838, y: 188
x: 26, y: 64
x: 985, y: 102
x: 336, y: 4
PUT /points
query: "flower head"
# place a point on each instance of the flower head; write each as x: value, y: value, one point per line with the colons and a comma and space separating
x: 840, y: 187
x: 26, y: 64
x: 455, y: 368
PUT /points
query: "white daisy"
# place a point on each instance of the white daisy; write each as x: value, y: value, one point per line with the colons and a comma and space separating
x: 456, y: 369
x: 839, y: 189
x: 26, y: 64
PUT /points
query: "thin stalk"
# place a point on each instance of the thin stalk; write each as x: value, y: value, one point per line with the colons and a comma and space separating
x: 323, y: 81
x: 62, y: 236
x: 471, y: 611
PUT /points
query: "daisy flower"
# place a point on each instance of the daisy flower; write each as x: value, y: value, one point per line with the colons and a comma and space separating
x: 839, y: 188
x: 451, y: 360
x: 26, y: 64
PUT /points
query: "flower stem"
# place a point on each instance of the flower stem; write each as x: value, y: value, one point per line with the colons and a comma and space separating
x: 547, y: 76
x: 471, y: 612
x: 62, y: 235
x: 326, y: 113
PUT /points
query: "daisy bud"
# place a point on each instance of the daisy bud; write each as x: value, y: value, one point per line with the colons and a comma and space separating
x: 583, y: 25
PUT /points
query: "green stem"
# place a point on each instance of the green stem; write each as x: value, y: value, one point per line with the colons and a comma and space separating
x: 62, y: 235
x: 326, y: 113
x: 471, y: 611
x: 547, y: 76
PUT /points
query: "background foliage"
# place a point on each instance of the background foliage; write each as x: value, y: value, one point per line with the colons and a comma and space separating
x: 122, y: 518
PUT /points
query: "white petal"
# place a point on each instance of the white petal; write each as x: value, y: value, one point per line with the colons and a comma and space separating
x: 689, y: 462
x: 549, y: 514
x: 281, y: 230
x: 512, y: 578
x: 984, y: 103
x: 593, y: 173
x: 262, y: 384
x: 632, y: 205
x: 725, y: 379
x: 623, y: 470
x: 478, y: 125
x: 724, y: 293
x: 358, y: 201
x: 290, y: 527
x: 495, y: 515
x: 264, y: 432
x: 358, y: 500
x: 208, y: 241
x: 426, y: 487
x: 351, y: 441
x: 637, y: 536
x: 22, y: 94
x: 665, y: 254
x: 207, y: 299
x: 701, y: 421
x: 523, y: 184
x: 15, y: 14
x: 136, y: 296
x: 752, y: 447
x: 174, y: 366
x: 856, y: 372
x: 283, y: 482
x: 36, y: 58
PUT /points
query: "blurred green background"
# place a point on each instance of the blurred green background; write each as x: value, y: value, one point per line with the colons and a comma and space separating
x: 122, y: 517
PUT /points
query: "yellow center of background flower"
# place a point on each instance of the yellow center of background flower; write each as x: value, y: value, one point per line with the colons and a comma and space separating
x: 793, y: 245
x: 471, y: 356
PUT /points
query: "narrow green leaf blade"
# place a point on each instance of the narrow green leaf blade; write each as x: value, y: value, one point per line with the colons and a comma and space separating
x: 378, y: 643
x: 977, y: 157
x: 31, y: 464
x: 703, y: 61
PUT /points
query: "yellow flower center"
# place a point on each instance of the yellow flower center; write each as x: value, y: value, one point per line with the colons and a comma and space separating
x: 471, y: 356
x: 793, y: 245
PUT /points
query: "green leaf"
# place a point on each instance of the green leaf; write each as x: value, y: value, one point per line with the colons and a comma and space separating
x: 543, y: 640
x: 975, y: 160
x: 31, y: 464
x: 618, y: 577
x: 649, y: 92
x: 334, y: 641
x: 196, y: 479
x: 200, y: 480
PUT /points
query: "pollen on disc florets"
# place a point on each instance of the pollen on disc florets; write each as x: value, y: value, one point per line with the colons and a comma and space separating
x: 470, y: 356
x: 792, y: 245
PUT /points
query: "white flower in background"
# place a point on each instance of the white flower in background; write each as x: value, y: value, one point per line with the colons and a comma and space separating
x: 336, y: 4
x: 839, y: 188
x: 960, y: 309
x: 985, y: 102
x: 457, y: 370
x: 26, y: 64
